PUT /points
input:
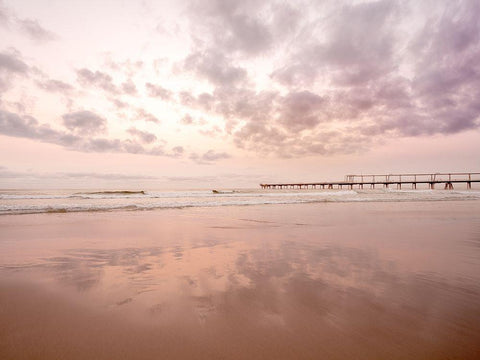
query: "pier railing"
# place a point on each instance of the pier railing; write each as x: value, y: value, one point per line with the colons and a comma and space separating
x: 441, y: 177
x: 430, y: 179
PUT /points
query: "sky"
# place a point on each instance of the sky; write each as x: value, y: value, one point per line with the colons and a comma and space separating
x: 230, y: 93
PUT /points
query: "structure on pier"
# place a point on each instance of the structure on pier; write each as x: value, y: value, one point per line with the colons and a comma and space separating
x: 446, y: 179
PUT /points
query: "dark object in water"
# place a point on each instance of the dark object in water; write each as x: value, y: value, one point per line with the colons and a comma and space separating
x: 222, y: 192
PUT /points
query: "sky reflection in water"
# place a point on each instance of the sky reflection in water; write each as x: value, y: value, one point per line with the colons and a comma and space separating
x: 304, y: 280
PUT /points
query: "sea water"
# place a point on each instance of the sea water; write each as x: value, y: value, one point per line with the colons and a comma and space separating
x: 60, y: 201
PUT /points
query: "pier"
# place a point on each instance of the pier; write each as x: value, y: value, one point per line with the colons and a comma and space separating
x: 444, y: 180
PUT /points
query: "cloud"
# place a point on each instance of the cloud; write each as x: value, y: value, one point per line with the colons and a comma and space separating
x: 215, y: 67
x: 106, y: 176
x: 300, y: 110
x: 292, y: 78
x: 187, y: 120
x: 104, y: 81
x: 177, y: 151
x: 84, y: 122
x: 11, y: 66
x: 52, y: 85
x: 209, y: 157
x: 211, y: 132
x: 128, y: 87
x: 4, y: 15
x: 34, y: 30
x: 195, y: 179
x: 11, y: 62
x: 144, y: 136
x: 351, y: 55
x: 5, y: 173
x: 337, y: 88
x: 97, y: 79
x: 158, y: 91
x: 119, y: 104
x: 242, y: 26
x: 142, y: 114
x: 12, y: 124
x: 128, y: 67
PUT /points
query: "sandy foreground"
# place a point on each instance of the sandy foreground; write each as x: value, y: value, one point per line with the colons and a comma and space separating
x: 307, y: 281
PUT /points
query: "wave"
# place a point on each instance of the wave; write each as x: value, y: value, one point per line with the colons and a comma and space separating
x: 115, y: 192
x: 175, y: 201
x: 132, y: 207
x: 168, y: 195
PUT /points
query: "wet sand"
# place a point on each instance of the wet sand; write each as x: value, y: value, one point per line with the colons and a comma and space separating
x: 307, y: 281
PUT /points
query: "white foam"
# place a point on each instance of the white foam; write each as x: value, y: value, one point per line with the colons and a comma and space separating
x: 74, y: 202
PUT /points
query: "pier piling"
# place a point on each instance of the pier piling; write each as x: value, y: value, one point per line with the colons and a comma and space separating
x: 351, y: 181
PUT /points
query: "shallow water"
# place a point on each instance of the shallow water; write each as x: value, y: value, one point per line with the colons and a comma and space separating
x: 362, y: 280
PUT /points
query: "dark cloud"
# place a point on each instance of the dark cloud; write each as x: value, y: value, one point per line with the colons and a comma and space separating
x: 13, y: 125
x: 144, y: 136
x: 216, y: 68
x: 158, y: 91
x: 242, y: 26
x: 52, y: 85
x: 119, y: 104
x: 187, y: 99
x: 301, y: 110
x: 11, y: 62
x: 244, y: 104
x: 128, y: 87
x: 11, y: 65
x: 177, y: 151
x: 351, y: 55
x: 35, y: 31
x: 351, y: 74
x: 97, y: 79
x: 84, y: 122
x: 28, y: 127
x: 144, y: 115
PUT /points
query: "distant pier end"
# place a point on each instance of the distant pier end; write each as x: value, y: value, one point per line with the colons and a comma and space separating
x: 387, y: 180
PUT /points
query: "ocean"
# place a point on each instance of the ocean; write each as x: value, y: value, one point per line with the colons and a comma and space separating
x: 61, y: 201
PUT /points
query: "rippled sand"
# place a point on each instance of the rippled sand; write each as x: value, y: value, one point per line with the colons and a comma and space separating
x: 309, y: 281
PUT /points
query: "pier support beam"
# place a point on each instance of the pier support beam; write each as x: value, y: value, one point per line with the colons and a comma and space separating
x: 448, y: 186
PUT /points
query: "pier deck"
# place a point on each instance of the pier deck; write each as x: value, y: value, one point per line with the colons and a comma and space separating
x: 387, y: 180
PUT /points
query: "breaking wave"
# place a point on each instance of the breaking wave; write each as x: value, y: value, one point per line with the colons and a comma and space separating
x: 31, y: 203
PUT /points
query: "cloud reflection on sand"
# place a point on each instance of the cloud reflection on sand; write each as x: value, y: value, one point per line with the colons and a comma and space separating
x: 287, y: 287
x: 275, y: 284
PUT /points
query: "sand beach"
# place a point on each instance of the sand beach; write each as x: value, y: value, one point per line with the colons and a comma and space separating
x: 364, y: 280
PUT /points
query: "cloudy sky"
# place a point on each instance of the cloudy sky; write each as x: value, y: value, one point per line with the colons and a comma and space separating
x: 199, y: 93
